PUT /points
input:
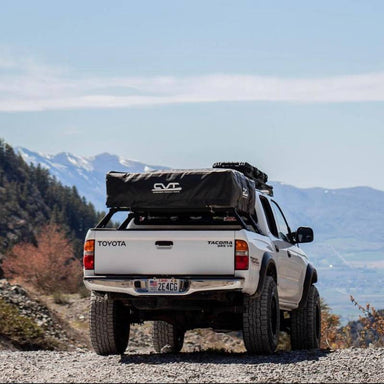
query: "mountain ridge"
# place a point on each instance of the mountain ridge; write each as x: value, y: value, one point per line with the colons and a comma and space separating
x: 98, y: 163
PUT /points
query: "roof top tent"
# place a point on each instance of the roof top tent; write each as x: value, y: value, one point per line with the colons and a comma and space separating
x: 176, y: 190
x: 225, y: 187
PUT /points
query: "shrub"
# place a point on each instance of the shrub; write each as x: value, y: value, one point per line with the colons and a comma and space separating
x: 365, y: 332
x: 21, y: 330
x: 49, y: 267
x: 369, y: 329
x: 332, y: 335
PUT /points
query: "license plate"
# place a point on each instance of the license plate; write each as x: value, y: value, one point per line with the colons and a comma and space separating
x: 164, y: 285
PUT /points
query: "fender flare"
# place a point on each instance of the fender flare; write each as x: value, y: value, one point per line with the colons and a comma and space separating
x: 310, y: 278
x: 266, y: 262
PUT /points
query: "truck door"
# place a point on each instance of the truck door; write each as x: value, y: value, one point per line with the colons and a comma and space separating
x: 291, y: 264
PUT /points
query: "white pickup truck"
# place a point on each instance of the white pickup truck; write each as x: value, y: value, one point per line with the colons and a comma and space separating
x: 199, y: 249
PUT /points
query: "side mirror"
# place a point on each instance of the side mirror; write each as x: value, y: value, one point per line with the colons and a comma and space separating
x: 304, y: 235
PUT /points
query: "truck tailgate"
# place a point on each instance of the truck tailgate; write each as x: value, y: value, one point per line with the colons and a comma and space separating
x: 164, y: 252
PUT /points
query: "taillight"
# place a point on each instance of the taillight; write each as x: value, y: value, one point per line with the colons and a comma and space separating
x: 241, y: 255
x: 89, y: 255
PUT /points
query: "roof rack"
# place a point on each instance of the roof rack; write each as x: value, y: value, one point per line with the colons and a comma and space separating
x: 248, y: 170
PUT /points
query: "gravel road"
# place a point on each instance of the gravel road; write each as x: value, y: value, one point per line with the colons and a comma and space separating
x: 348, y: 365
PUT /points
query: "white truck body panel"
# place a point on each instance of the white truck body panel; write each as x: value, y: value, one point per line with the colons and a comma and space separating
x: 134, y: 252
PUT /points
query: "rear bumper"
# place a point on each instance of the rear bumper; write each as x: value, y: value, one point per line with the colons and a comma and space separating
x: 136, y: 286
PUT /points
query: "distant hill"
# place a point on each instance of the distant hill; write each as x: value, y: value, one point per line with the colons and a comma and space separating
x: 336, y: 213
x: 348, y: 223
x: 31, y: 198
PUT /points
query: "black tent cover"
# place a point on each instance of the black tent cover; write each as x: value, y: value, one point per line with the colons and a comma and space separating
x: 181, y: 190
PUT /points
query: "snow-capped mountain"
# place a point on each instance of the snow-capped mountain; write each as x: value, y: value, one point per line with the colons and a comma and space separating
x: 86, y: 173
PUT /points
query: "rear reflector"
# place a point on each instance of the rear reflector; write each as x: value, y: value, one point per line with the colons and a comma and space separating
x: 241, y: 255
x: 89, y: 255
x: 89, y: 262
x: 242, y: 263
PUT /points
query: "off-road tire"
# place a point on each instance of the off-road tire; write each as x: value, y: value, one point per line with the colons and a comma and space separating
x: 261, y: 320
x: 109, y: 325
x: 306, y: 323
x: 167, y: 338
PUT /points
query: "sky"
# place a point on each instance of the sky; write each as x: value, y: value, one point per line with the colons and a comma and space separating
x: 294, y: 87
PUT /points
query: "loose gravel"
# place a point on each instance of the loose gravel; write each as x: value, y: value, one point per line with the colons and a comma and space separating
x: 346, y: 366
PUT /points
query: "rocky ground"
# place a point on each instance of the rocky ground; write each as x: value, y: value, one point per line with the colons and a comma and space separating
x: 343, y: 366
x: 205, y: 357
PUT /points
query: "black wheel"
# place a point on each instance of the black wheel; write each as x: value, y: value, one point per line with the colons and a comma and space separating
x: 306, y: 323
x: 261, y: 320
x: 167, y: 338
x: 109, y: 325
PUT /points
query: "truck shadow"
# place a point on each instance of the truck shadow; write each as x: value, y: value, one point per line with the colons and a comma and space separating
x: 224, y: 358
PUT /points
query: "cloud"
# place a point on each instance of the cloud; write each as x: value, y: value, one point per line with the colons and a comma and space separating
x: 27, y: 85
x: 71, y: 131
